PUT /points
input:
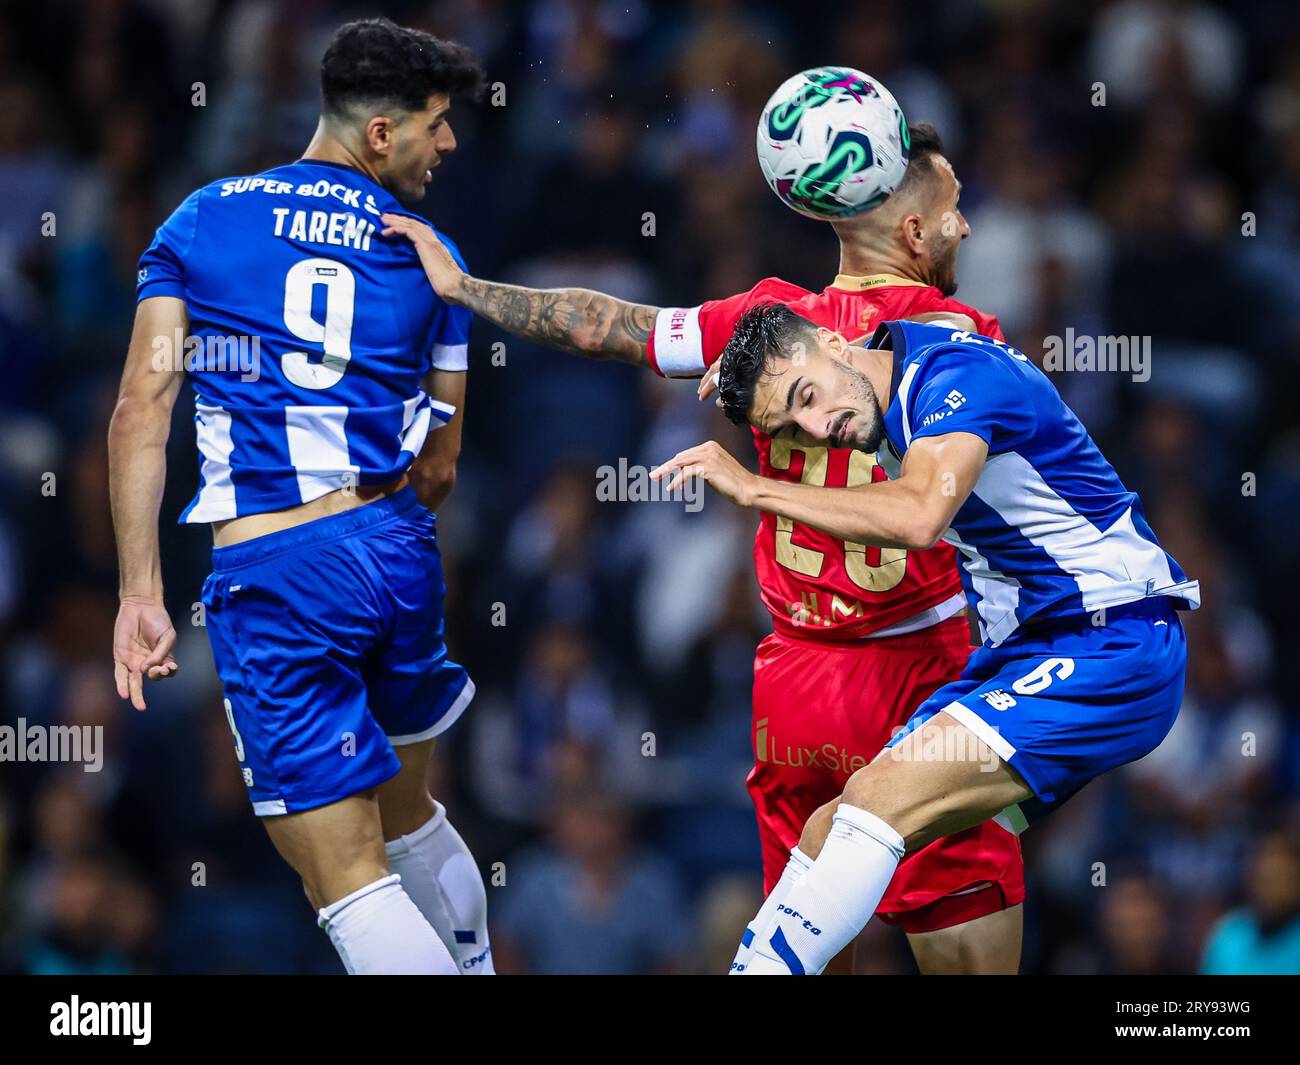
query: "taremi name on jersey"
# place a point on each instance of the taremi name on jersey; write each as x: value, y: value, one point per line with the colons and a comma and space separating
x: 328, y: 636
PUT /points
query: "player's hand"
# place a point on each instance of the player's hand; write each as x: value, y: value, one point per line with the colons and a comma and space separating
x: 444, y: 272
x: 709, y: 386
x: 143, y: 639
x: 714, y: 465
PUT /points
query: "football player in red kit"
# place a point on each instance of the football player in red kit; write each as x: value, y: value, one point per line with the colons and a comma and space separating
x: 862, y: 635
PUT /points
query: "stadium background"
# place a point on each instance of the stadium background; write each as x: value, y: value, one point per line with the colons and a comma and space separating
x: 627, y: 618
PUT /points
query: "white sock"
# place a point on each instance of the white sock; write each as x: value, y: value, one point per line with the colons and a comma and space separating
x: 795, y: 868
x: 831, y: 903
x: 443, y: 880
x: 378, y: 932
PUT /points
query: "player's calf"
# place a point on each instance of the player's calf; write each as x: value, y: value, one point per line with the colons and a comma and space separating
x: 984, y: 946
x: 897, y: 803
x: 437, y: 869
x: 338, y: 850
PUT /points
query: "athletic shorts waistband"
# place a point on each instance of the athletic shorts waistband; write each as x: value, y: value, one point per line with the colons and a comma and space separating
x: 399, y: 505
x: 1151, y: 606
x: 950, y: 632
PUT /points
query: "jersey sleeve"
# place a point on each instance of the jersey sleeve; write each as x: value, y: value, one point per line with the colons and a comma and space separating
x: 686, y: 341
x: 450, y: 348
x: 162, y: 266
x: 962, y: 389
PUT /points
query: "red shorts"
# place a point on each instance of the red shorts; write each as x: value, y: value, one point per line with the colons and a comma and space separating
x: 824, y: 710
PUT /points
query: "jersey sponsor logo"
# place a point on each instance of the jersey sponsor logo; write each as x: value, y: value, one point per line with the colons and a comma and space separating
x: 808, y: 612
x: 345, y: 194
x: 953, y: 400
x: 829, y: 756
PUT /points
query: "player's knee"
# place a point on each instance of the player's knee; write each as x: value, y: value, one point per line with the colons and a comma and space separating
x: 406, y: 811
x: 876, y: 789
x: 326, y: 886
x: 817, y: 828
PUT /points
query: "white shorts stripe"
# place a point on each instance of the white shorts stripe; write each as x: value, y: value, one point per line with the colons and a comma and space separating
x: 443, y: 723
x: 982, y: 729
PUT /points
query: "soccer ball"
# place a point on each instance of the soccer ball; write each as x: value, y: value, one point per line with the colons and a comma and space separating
x: 832, y: 142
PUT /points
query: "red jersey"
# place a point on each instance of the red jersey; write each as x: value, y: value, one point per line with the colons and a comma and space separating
x: 814, y: 585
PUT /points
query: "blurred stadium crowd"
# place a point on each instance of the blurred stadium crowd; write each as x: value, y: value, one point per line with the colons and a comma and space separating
x: 628, y: 619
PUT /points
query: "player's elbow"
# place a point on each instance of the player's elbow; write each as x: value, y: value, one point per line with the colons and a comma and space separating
x: 924, y: 531
x: 139, y: 420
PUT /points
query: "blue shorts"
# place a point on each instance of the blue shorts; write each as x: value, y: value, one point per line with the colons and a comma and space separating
x: 1070, y: 700
x: 328, y: 639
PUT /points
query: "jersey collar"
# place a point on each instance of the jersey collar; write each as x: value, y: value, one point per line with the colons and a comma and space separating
x: 347, y: 168
x: 890, y: 336
x: 854, y: 283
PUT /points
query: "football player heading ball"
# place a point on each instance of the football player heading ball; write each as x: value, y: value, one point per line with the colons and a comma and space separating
x: 862, y: 635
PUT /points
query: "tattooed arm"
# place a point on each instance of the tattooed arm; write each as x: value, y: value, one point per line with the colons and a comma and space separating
x: 572, y: 319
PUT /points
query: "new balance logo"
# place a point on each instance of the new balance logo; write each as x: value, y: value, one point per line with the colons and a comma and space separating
x: 999, y: 700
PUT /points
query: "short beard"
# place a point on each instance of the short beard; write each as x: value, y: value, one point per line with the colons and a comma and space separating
x: 945, y: 274
x: 868, y: 403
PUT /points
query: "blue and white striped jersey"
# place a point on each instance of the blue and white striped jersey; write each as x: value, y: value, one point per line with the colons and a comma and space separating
x: 309, y: 336
x: 1049, y: 529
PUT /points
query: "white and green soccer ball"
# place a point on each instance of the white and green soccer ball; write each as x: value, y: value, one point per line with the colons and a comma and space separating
x: 832, y: 142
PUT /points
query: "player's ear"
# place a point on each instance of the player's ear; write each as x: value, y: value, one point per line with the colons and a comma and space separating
x: 911, y: 228
x: 832, y: 343
x: 379, y: 134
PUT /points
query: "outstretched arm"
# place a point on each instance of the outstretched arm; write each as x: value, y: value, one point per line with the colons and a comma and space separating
x: 912, y: 512
x: 573, y: 319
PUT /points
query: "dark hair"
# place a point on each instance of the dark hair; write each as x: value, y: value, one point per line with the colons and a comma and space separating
x: 925, y: 142
x: 378, y: 63
x: 769, y: 330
